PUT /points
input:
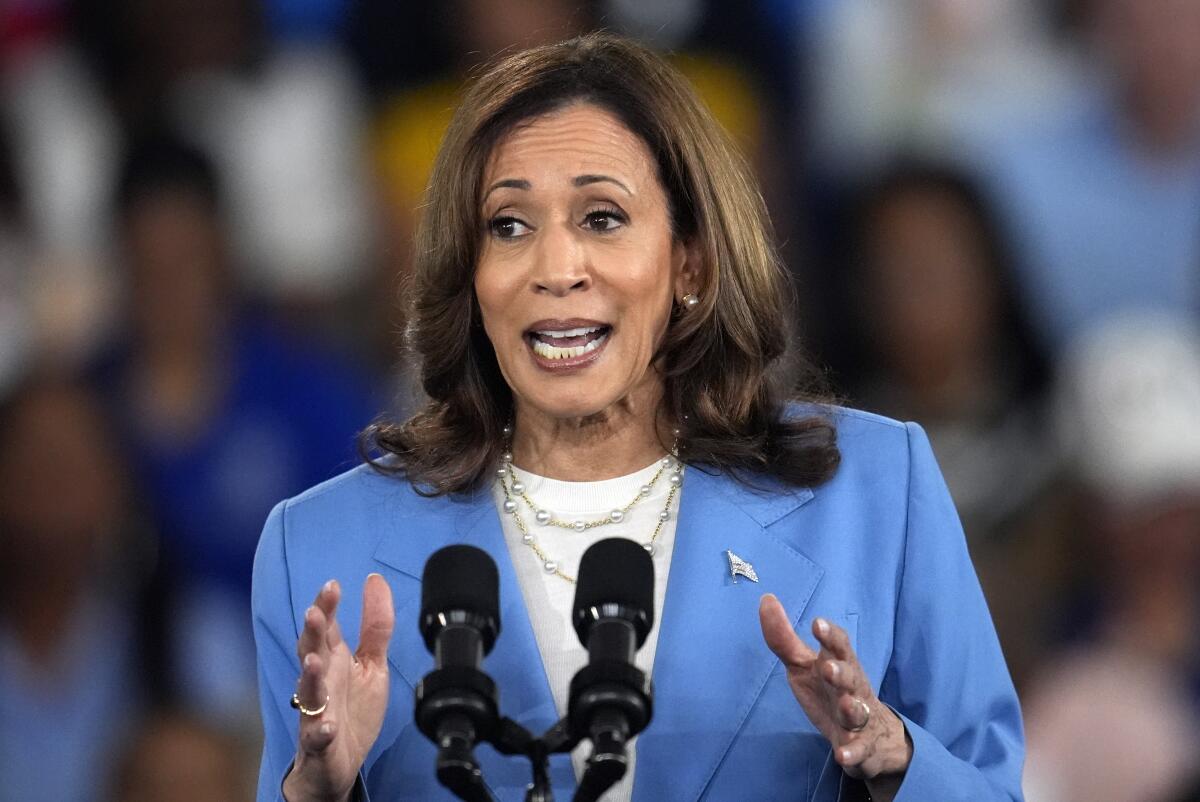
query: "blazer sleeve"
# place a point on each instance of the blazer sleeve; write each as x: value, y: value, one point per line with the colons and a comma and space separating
x: 275, y: 635
x: 947, y: 677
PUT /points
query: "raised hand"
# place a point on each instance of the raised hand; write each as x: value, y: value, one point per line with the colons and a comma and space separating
x: 349, y: 690
x: 869, y: 741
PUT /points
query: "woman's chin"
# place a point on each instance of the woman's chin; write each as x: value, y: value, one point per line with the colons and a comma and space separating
x: 570, y: 408
x: 585, y: 392
x: 569, y: 400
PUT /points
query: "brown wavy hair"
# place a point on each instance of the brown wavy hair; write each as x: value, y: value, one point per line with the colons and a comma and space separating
x: 728, y: 365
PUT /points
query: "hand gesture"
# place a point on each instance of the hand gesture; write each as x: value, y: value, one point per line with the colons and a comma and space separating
x: 869, y: 741
x: 350, y: 691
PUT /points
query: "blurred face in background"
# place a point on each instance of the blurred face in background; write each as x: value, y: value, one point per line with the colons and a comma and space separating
x: 484, y: 28
x: 1155, y: 49
x: 177, y: 38
x: 1160, y: 535
x: 1149, y: 554
x: 579, y: 265
x: 177, y: 760
x: 61, y: 488
x: 176, y: 260
x: 929, y: 286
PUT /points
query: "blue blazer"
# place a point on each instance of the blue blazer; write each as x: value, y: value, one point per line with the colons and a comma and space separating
x: 878, y: 549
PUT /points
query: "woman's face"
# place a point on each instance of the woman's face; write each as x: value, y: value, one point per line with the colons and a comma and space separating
x: 579, y: 267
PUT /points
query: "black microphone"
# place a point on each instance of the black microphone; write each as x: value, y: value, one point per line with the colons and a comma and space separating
x: 456, y: 704
x: 610, y: 699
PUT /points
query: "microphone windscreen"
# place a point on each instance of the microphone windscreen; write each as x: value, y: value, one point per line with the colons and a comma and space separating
x: 616, y: 571
x: 461, y: 578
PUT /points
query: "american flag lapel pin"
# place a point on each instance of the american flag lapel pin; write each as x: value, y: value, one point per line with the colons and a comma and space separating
x: 739, y: 567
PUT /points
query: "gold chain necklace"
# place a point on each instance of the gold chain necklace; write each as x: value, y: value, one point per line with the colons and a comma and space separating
x: 514, y: 487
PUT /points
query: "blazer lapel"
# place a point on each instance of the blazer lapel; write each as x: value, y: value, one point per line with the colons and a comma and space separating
x: 525, y: 694
x: 711, y: 663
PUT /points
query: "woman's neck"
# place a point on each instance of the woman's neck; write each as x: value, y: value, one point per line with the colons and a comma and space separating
x: 621, y: 440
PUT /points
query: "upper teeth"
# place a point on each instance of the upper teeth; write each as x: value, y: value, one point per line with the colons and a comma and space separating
x: 568, y: 332
x: 549, y: 351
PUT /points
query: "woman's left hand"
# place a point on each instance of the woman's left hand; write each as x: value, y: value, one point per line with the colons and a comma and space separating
x: 869, y: 740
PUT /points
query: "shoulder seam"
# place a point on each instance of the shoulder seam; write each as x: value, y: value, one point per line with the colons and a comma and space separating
x: 327, y: 486
x: 870, y: 417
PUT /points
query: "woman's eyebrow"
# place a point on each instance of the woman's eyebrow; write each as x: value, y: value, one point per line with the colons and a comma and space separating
x: 584, y: 180
x: 512, y: 183
x: 578, y: 181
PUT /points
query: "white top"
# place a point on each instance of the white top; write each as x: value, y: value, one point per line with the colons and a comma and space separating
x: 549, y: 597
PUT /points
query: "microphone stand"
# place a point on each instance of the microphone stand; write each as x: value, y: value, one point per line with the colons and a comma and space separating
x: 610, y: 733
x: 510, y: 738
x: 605, y: 768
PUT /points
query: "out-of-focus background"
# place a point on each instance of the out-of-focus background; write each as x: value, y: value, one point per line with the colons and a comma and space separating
x: 991, y: 208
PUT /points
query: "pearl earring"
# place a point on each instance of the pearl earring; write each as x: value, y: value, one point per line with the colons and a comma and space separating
x: 689, y: 301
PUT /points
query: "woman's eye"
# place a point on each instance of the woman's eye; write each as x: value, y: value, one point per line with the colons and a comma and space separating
x: 604, y: 220
x: 507, y: 228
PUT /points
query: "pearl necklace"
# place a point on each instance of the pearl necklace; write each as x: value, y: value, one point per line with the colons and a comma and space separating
x: 514, y: 487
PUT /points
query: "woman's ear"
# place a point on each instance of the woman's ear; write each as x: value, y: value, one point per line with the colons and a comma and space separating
x: 687, y: 266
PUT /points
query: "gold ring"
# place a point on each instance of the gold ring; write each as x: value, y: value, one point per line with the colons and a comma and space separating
x: 316, y: 711
x: 859, y: 728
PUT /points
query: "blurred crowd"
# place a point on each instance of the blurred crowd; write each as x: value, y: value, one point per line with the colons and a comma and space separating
x: 991, y: 209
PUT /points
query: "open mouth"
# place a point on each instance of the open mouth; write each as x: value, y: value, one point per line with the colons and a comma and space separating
x: 562, y: 347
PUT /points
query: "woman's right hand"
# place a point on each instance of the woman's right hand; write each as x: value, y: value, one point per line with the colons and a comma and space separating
x: 334, y: 744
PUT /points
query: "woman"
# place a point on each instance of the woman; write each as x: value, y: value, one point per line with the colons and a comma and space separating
x: 595, y: 289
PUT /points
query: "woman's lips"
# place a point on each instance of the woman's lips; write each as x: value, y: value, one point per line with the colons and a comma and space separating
x: 564, y: 347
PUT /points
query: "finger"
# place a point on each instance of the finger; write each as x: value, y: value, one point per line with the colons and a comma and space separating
x: 378, y: 619
x: 312, y: 637
x: 310, y: 688
x: 833, y: 638
x: 853, y: 713
x: 327, y: 600
x: 851, y: 755
x: 840, y: 675
x: 779, y: 635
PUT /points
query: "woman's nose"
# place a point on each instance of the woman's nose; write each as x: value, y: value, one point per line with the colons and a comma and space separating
x: 562, y: 262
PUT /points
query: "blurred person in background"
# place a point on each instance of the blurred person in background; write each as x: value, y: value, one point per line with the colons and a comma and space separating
x: 221, y: 411
x: 882, y: 76
x: 1103, y: 191
x: 946, y: 343
x: 16, y: 334
x: 928, y: 77
x: 174, y: 757
x: 282, y: 119
x: 1115, y: 714
x: 63, y: 142
x: 74, y: 668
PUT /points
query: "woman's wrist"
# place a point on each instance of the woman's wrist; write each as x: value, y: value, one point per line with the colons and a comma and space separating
x: 898, y: 752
